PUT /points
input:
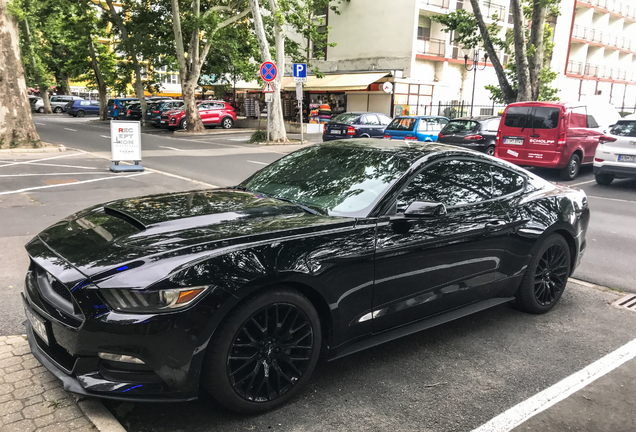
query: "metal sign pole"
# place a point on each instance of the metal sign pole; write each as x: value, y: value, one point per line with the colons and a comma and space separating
x: 300, y: 105
x: 268, y: 109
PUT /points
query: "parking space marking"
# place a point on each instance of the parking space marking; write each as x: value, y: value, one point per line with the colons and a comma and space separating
x: 50, y: 174
x: 582, y: 183
x: 40, y: 124
x: 39, y: 160
x: 59, y: 165
x: 73, y: 130
x: 171, y: 148
x: 73, y: 184
x: 518, y: 414
x: 257, y: 162
x: 612, y: 199
x: 105, y: 136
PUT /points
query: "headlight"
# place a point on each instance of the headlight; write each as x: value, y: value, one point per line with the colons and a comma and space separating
x: 125, y: 300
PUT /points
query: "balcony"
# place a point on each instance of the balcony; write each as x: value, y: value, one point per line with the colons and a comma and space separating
x: 429, y: 46
x: 623, y: 43
x: 621, y: 74
x: 605, y: 72
x: 444, y: 4
x: 591, y: 70
x: 575, y: 67
x: 595, y: 35
x: 579, y: 32
x: 488, y: 9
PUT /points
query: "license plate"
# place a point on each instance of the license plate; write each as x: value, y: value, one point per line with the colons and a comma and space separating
x: 513, y: 141
x: 38, y: 325
x: 336, y: 132
x: 164, y: 121
x: 626, y: 158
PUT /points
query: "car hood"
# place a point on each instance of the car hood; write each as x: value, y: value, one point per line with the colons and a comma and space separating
x: 172, y: 112
x: 173, y: 229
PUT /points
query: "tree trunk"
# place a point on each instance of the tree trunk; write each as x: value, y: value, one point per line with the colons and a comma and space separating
x: 507, y: 91
x: 62, y: 86
x: 277, y: 125
x: 537, y: 33
x: 42, y: 87
x: 101, y: 85
x: 277, y: 130
x: 192, y: 116
x: 524, y: 92
x: 16, y: 124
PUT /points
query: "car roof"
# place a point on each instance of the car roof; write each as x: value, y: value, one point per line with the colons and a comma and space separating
x: 477, y: 118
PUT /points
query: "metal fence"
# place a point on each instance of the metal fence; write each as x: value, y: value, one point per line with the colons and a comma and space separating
x: 456, y: 109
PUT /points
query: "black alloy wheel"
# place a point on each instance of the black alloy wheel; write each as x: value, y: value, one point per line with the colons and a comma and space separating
x: 490, y: 151
x: 81, y: 113
x: 546, y: 276
x: 227, y: 123
x: 604, y: 179
x: 572, y: 168
x: 264, y: 352
x: 183, y: 123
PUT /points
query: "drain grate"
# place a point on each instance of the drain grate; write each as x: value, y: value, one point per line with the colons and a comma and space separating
x: 627, y: 302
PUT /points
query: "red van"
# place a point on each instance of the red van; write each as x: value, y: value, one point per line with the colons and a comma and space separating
x: 549, y: 135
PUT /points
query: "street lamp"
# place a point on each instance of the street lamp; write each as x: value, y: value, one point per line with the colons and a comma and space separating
x: 474, y: 67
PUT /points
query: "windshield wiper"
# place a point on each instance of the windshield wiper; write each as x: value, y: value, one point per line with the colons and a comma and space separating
x: 526, y: 122
x: 304, y: 207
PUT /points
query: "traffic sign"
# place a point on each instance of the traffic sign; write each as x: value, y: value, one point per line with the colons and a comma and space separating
x: 300, y: 72
x: 268, y: 88
x: 268, y: 71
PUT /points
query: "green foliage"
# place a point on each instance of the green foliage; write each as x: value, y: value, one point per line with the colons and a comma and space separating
x: 467, y: 34
x: 258, y: 136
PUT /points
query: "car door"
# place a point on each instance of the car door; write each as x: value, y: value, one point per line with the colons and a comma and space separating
x: 204, y: 112
x: 371, y: 126
x: 215, y: 113
x: 425, y: 266
x: 94, y: 107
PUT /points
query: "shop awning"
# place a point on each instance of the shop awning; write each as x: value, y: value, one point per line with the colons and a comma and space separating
x: 340, y: 82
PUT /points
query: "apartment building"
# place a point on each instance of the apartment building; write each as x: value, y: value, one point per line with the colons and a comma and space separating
x: 599, y: 60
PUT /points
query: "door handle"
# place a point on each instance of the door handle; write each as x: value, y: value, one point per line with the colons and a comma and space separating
x: 535, y: 136
x: 494, y: 225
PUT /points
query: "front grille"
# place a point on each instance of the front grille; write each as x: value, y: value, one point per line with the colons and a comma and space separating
x: 60, y: 289
x: 55, y: 293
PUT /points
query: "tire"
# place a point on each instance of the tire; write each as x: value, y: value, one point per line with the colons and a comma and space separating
x: 227, y: 123
x: 604, y: 179
x: 183, y: 124
x: 57, y: 110
x: 243, y: 343
x: 490, y: 151
x: 41, y: 110
x: 546, y: 276
x: 81, y: 113
x: 571, y: 170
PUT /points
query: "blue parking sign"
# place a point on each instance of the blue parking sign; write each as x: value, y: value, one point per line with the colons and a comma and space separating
x: 300, y: 72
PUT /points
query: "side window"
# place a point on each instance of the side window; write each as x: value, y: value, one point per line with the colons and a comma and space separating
x: 452, y: 182
x: 421, y: 126
x: 218, y: 106
x: 55, y: 99
x: 370, y: 120
x: 95, y: 103
x: 384, y: 120
x: 85, y: 103
x: 204, y: 106
x: 505, y: 182
x: 492, y: 125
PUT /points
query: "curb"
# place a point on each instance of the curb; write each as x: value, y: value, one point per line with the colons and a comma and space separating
x: 47, y: 149
x: 101, y: 418
x: 215, y: 132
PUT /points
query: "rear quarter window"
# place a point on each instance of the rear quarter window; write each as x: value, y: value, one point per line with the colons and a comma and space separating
x: 402, y: 124
x: 460, y: 126
x: 624, y: 128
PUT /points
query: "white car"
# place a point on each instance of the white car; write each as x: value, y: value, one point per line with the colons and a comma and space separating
x: 58, y: 103
x: 616, y: 153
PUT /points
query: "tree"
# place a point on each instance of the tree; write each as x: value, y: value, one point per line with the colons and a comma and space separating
x: 16, y: 124
x: 271, y: 26
x: 201, y: 30
x: 529, y: 50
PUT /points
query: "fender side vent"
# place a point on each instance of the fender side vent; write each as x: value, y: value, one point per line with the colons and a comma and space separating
x: 628, y: 302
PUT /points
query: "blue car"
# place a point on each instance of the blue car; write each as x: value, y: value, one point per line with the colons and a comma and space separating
x: 115, y: 105
x: 356, y: 125
x: 415, y: 128
x: 81, y: 108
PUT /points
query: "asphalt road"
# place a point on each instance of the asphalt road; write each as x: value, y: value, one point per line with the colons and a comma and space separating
x: 226, y: 159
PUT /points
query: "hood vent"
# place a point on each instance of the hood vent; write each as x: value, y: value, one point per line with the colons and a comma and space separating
x: 123, y: 216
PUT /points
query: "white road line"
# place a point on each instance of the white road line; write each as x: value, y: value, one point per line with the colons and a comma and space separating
x: 257, y: 162
x: 541, y: 401
x: 71, y: 184
x: 63, y: 166
x: 582, y: 183
x: 39, y: 160
x: 611, y: 199
x: 73, y: 130
x: 51, y: 174
x: 40, y: 124
x: 105, y: 136
x: 171, y: 148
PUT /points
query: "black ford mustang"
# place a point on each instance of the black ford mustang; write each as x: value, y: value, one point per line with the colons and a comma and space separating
x: 330, y: 250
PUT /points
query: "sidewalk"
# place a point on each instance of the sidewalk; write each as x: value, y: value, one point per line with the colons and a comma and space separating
x: 32, y: 399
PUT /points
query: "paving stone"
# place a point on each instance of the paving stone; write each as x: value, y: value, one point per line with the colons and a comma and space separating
x: 21, y: 350
x: 10, y: 407
x: 90, y: 428
x: 30, y: 362
x: 23, y: 383
x: 5, y: 355
x: 29, y: 391
x: 55, y: 394
x: 5, y: 397
x: 44, y: 420
x: 15, y: 340
x: 32, y: 400
x: 6, y: 348
x: 79, y: 422
x: 14, y: 368
x: 10, y: 361
x: 13, y: 417
x: 17, y: 376
x: 21, y: 426
x: 59, y: 427
x: 38, y: 410
x: 67, y: 413
x: 6, y: 388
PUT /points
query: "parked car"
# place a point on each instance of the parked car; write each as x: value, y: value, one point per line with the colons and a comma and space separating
x: 616, y: 153
x: 153, y: 114
x: 549, y: 135
x: 58, y: 103
x: 330, y: 250
x: 213, y: 113
x: 356, y: 125
x: 476, y: 133
x: 415, y: 128
x: 132, y: 111
x: 115, y: 106
x: 81, y: 108
x: 33, y: 100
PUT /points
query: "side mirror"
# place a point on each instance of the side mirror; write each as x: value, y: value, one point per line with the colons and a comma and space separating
x: 425, y: 209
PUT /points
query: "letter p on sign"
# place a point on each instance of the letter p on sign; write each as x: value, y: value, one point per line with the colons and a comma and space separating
x: 300, y: 72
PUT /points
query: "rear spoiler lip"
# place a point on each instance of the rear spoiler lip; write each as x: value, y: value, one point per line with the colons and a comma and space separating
x: 121, y: 215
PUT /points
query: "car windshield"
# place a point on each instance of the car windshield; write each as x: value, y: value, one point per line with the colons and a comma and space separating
x: 402, y: 124
x: 346, y: 118
x: 334, y: 180
x: 459, y: 126
x: 624, y: 128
